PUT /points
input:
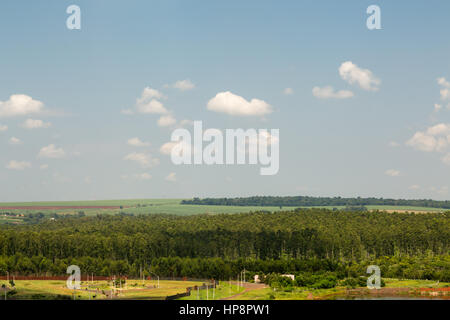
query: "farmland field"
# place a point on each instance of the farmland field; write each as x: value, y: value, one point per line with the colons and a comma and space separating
x: 17, y: 210
x: 148, y: 290
x: 98, y: 290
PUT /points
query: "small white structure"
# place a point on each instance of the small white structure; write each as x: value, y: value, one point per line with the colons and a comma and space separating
x: 256, y: 278
x: 289, y: 276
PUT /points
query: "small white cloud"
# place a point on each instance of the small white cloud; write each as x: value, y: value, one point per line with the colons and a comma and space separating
x: 437, y: 107
x: 3, y: 128
x: 138, y: 176
x: 52, y: 152
x: 144, y: 176
x: 20, y: 105
x: 127, y: 112
x: 392, y: 173
x: 445, y: 94
x: 153, y: 107
x: 143, y: 159
x: 35, y: 124
x: 136, y: 142
x: 148, y: 103
x: 15, y: 141
x: 186, y: 122
x: 393, y: 144
x: 443, y: 82
x: 43, y: 166
x: 229, y: 103
x: 364, y: 78
x: 150, y: 93
x: 171, y: 177
x: 288, y: 91
x: 446, y: 159
x: 18, y: 165
x: 167, y: 147
x: 184, y: 85
x: 329, y: 93
x: 167, y: 120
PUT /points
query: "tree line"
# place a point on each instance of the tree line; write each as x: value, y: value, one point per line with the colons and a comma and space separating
x: 306, y: 201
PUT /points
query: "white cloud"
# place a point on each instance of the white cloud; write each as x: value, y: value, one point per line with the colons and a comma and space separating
x: 414, y: 187
x: 43, y: 166
x: 153, y: 106
x: 20, y: 105
x: 329, y: 93
x: 171, y: 177
x: 229, y: 103
x: 435, y: 138
x: 3, y: 128
x: 167, y: 120
x: 445, y: 91
x: 437, y: 107
x: 15, y: 141
x: 288, y: 91
x: 143, y: 159
x: 136, y: 142
x: 35, y: 124
x: 440, y: 190
x: 52, y: 152
x: 18, y: 165
x: 392, y: 173
x: 184, y: 85
x: 351, y: 73
x: 443, y: 82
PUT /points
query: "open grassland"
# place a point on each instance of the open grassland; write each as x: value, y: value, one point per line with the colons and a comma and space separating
x: 98, y: 290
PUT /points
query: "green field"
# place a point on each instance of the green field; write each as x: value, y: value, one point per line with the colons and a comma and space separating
x: 154, y: 206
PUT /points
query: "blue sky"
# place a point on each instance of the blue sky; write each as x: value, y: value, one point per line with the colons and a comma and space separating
x: 388, y: 139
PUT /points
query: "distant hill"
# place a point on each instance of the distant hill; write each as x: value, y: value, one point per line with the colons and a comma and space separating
x: 306, y: 201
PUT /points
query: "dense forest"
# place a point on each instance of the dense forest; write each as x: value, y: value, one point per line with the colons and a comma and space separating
x: 220, y: 245
x: 305, y: 201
